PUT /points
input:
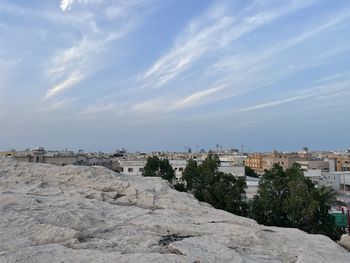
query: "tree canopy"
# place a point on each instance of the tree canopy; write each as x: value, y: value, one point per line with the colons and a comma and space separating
x: 208, y: 184
x: 284, y: 199
x: 250, y: 172
x: 288, y: 199
x: 156, y: 167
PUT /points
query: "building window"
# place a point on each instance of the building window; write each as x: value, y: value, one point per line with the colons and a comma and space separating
x: 181, y: 169
x: 121, y: 169
x: 141, y: 169
x: 130, y: 170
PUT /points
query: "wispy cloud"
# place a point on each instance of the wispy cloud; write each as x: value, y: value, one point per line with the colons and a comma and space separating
x: 102, y: 108
x: 330, y: 78
x: 73, y: 79
x: 243, y: 72
x: 195, y: 98
x: 66, y: 4
x: 200, y: 38
x: 326, y: 92
x: 86, y: 55
x: 323, y: 90
x: 230, y: 76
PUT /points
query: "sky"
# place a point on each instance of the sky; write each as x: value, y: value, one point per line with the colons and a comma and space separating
x: 168, y: 74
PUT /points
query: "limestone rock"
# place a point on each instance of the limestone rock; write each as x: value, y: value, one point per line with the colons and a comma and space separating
x: 345, y: 241
x: 91, y: 214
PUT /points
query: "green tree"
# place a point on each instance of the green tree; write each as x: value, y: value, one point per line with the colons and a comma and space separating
x: 288, y: 199
x: 166, y: 171
x: 156, y: 167
x: 191, y: 174
x: 208, y: 184
x: 326, y: 197
x: 267, y: 206
x: 152, y: 167
x: 250, y: 172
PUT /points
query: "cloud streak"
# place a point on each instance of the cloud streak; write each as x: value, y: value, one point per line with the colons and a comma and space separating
x: 309, y: 94
x: 86, y: 55
x: 66, y: 4
x: 73, y: 79
x: 200, y: 38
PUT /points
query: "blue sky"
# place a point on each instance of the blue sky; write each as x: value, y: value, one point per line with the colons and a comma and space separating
x: 162, y: 74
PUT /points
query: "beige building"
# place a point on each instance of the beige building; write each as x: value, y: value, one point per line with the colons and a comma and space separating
x: 39, y: 155
x: 315, y: 164
x: 286, y: 160
x: 255, y: 161
x: 8, y: 153
x: 342, y: 162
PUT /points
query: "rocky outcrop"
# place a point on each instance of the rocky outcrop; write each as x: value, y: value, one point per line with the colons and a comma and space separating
x: 91, y: 214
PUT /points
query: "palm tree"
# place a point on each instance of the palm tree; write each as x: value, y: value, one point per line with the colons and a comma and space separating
x: 328, y: 196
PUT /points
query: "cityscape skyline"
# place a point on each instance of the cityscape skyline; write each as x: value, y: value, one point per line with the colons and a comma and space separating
x: 182, y: 149
x: 160, y: 75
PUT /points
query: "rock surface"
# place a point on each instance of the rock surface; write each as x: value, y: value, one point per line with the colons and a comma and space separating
x: 91, y: 214
x: 345, y: 241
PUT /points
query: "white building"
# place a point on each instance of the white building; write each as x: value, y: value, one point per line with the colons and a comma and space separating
x: 132, y: 167
x: 344, y: 181
x: 178, y: 166
x: 136, y: 167
x: 339, y: 181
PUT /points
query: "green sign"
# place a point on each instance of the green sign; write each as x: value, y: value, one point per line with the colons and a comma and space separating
x: 341, y: 220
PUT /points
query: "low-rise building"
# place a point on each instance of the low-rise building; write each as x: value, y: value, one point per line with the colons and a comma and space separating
x: 132, y: 167
x: 9, y: 153
x: 342, y: 162
x: 314, y: 164
x: 255, y: 161
x: 178, y: 166
x: 286, y: 160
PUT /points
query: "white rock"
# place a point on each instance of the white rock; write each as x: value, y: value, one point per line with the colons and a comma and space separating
x: 91, y: 214
x: 345, y: 241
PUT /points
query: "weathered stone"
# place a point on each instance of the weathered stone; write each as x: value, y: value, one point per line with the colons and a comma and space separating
x: 345, y: 241
x: 91, y: 214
